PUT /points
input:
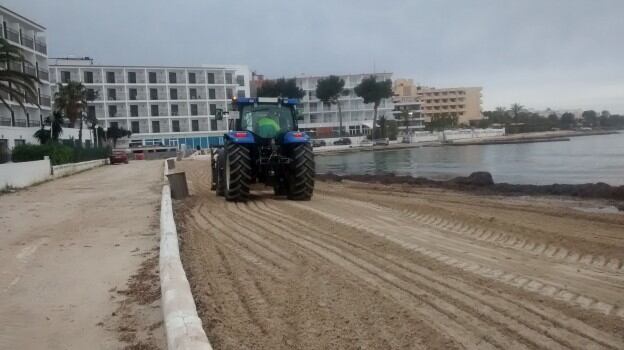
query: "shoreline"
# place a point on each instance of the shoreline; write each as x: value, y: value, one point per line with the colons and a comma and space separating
x: 546, y: 136
x: 482, y: 183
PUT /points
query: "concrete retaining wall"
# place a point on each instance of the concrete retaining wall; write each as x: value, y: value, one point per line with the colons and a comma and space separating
x: 24, y: 174
x: 182, y: 325
x: 72, y: 168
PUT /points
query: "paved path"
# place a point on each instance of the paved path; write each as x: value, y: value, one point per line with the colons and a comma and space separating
x: 67, y: 247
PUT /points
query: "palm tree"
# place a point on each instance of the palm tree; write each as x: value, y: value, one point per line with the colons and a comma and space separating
x: 20, y: 87
x: 373, y: 91
x: 71, y: 100
x: 329, y: 90
x: 516, y: 109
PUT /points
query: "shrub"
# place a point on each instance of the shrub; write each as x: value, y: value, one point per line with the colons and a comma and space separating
x: 59, y: 154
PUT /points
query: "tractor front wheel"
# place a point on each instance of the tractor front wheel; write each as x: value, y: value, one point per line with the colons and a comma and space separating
x: 236, y: 172
x: 301, y: 174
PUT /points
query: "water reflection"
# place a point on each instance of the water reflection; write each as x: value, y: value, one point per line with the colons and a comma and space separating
x: 583, y: 159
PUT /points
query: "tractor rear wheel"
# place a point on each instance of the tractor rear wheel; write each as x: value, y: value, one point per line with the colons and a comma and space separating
x: 237, y: 172
x: 301, y: 175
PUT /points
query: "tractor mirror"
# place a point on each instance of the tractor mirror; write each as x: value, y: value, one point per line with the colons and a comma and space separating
x: 219, y: 114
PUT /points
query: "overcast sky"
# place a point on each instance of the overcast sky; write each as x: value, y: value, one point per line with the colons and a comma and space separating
x: 539, y: 53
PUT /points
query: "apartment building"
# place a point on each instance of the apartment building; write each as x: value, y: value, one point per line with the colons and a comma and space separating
x: 463, y: 102
x: 357, y: 117
x: 30, y: 38
x: 161, y: 105
x: 415, y: 120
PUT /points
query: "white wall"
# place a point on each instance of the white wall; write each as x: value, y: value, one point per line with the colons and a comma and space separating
x: 12, y: 133
x: 24, y: 174
x: 72, y: 168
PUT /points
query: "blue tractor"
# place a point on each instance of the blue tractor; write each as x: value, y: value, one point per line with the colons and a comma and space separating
x: 264, y: 146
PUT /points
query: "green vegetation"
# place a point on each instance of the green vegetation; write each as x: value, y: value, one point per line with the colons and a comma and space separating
x: 21, y: 87
x: 329, y: 90
x: 373, y: 91
x: 517, y: 119
x: 115, y: 133
x: 58, y: 153
x: 281, y: 87
x: 442, y: 122
x: 71, y: 101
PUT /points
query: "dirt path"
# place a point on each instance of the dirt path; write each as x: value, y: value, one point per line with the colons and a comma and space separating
x: 77, y: 268
x: 371, y: 267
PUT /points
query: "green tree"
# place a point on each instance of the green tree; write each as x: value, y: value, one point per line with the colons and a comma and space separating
x: 443, y: 121
x: 21, y: 87
x: 281, y: 87
x: 42, y: 135
x: 590, y: 117
x: 115, y: 133
x: 567, y: 120
x: 71, y: 101
x: 329, y: 90
x: 383, y: 127
x: 516, y: 109
x: 373, y: 91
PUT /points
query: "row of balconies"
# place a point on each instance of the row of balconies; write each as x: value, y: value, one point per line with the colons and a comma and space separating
x: 26, y: 40
x: 443, y: 93
x: 444, y: 100
x: 152, y: 110
x: 42, y: 99
x: 437, y: 108
x: 148, y: 76
x: 168, y: 125
x: 154, y: 94
x: 29, y: 68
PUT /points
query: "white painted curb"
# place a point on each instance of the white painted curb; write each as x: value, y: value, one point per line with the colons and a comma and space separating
x: 182, y: 325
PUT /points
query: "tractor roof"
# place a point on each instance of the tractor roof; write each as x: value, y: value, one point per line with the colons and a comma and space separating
x: 268, y: 100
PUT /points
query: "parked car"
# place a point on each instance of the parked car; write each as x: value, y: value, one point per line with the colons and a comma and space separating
x: 366, y: 142
x: 381, y: 142
x: 119, y: 157
x: 318, y: 143
x: 406, y: 139
x: 343, y: 141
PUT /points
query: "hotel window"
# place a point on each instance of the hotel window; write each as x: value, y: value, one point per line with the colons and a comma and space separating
x: 228, y: 93
x: 173, y: 94
x: 155, y: 126
x: 213, y: 124
x: 112, y: 111
x: 240, y: 93
x: 134, y: 110
x: 213, y: 109
x: 175, y: 110
x: 153, y: 94
x: 211, y: 78
x: 91, y: 112
x: 173, y: 78
x: 132, y: 94
x: 191, y: 78
x: 152, y: 77
x: 193, y: 94
x: 212, y: 94
x: 115, y: 125
x: 154, y: 110
x: 110, y: 77
x: 194, y: 109
x: 240, y: 80
x: 175, y: 125
x: 228, y: 78
x: 88, y: 77
x: 112, y: 94
x: 132, y: 78
x: 135, y: 127
x: 195, y: 125
x: 65, y: 76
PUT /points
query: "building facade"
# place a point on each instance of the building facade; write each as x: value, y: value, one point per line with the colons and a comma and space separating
x: 30, y: 38
x: 357, y: 117
x: 161, y: 105
x: 408, y: 114
x: 463, y: 102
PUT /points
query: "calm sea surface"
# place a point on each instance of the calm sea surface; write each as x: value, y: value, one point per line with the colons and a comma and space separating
x: 580, y: 160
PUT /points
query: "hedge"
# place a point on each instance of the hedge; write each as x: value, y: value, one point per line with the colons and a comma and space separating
x: 59, y: 154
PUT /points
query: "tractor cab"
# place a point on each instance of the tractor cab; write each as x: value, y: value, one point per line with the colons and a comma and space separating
x: 265, y: 145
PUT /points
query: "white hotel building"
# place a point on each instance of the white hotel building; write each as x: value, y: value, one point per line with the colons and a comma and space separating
x: 17, y: 125
x: 357, y: 117
x: 160, y: 105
